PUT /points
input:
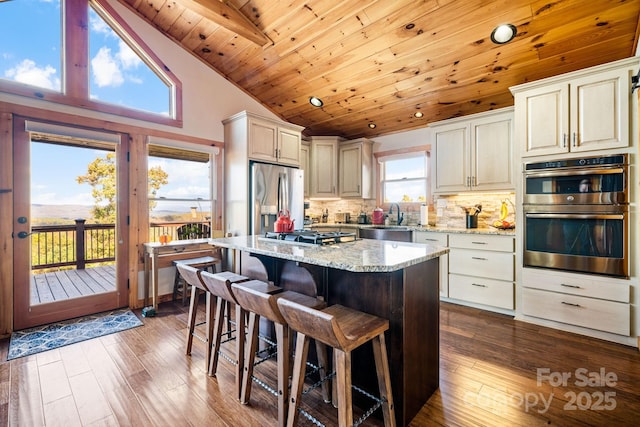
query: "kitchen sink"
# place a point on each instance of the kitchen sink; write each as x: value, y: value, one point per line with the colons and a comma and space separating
x: 389, y: 227
x: 396, y: 233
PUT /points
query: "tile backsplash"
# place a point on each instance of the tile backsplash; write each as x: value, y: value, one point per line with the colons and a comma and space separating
x: 447, y: 211
x: 453, y: 214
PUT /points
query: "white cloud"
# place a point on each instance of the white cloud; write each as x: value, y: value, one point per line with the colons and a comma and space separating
x: 106, y: 69
x: 184, y: 182
x: 127, y: 57
x: 53, y: 198
x: 99, y: 26
x: 28, y: 72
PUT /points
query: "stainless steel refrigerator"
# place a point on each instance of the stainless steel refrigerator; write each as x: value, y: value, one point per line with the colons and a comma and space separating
x: 275, y: 189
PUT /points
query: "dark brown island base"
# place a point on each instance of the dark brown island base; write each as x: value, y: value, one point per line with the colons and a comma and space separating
x: 394, y: 280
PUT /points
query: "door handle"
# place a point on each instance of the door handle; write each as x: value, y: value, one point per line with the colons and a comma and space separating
x: 22, y: 235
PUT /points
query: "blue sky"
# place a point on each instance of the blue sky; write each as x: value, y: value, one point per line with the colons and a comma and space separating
x: 30, y: 49
x: 30, y: 53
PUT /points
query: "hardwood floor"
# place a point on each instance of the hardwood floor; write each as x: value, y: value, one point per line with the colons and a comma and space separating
x: 489, y: 371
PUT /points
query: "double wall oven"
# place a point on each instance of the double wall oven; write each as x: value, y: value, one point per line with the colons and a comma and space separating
x: 576, y: 214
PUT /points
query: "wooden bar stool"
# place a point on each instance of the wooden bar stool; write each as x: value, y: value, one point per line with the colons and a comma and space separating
x: 260, y: 304
x: 190, y: 276
x: 219, y: 285
x: 201, y: 263
x: 344, y: 329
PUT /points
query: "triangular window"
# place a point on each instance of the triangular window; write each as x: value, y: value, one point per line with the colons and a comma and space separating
x: 120, y: 74
x: 81, y: 53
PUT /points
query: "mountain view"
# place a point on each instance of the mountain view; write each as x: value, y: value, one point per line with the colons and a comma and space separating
x: 66, y: 212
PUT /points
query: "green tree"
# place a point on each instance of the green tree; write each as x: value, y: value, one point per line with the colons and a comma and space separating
x: 101, y: 176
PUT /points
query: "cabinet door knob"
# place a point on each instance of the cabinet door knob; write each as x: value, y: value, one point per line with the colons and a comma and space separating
x: 575, y: 139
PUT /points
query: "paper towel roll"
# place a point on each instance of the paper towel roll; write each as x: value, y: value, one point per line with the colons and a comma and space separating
x: 424, y: 215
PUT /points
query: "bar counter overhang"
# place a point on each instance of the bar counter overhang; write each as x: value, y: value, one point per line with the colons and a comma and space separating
x: 395, y: 280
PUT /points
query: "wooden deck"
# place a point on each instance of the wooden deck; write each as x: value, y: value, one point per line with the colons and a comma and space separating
x: 67, y: 284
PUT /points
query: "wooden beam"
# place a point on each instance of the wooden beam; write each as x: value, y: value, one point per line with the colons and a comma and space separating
x: 6, y: 224
x: 225, y: 15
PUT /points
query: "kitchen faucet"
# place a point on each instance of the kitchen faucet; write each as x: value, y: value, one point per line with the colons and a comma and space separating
x: 400, y: 216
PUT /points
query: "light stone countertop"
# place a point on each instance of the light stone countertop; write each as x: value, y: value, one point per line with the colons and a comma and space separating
x: 362, y: 255
x: 457, y: 230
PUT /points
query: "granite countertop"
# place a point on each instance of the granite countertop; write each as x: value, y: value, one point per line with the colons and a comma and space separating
x: 458, y: 230
x: 362, y: 255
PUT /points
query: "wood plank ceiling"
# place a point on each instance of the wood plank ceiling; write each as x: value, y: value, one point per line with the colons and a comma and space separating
x: 380, y: 61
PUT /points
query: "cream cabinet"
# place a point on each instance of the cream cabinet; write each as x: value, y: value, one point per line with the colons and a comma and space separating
x: 305, y: 153
x: 482, y: 270
x: 438, y: 239
x: 355, y: 166
x: 474, y: 153
x: 272, y: 141
x: 248, y: 136
x: 576, y: 112
x: 323, y: 165
x: 587, y: 301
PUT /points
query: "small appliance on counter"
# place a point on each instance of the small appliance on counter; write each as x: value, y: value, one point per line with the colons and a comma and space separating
x: 362, y: 218
x: 378, y: 216
x: 342, y: 218
x: 284, y: 224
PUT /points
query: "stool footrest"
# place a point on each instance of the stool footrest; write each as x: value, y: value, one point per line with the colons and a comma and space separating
x: 377, y: 402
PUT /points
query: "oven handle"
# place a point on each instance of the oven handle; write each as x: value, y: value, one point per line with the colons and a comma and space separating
x: 599, y: 171
x: 574, y: 216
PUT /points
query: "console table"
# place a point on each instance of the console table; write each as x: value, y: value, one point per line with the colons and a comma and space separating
x: 157, y: 255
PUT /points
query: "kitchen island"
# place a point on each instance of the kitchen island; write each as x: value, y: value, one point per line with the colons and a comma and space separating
x: 394, y: 280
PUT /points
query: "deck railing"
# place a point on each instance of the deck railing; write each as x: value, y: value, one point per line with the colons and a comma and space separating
x: 80, y: 244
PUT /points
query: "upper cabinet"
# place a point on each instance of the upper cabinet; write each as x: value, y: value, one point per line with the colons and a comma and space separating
x: 474, y: 153
x: 323, y: 165
x: 356, y: 169
x: 247, y: 137
x: 265, y: 139
x: 582, y: 111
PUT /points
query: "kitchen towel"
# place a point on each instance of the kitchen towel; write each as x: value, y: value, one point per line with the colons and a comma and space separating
x: 424, y: 215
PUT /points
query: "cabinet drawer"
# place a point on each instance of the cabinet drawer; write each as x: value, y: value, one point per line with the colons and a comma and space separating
x: 481, y: 291
x: 577, y: 284
x: 480, y: 241
x: 590, y: 313
x: 440, y: 239
x: 494, y: 265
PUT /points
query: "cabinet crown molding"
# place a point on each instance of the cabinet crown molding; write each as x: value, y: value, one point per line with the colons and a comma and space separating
x: 248, y: 114
x: 633, y: 62
x: 472, y: 116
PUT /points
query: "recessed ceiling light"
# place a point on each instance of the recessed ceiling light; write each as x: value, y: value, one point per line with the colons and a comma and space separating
x: 316, y: 102
x: 503, y: 33
x: 418, y: 114
x: 372, y: 125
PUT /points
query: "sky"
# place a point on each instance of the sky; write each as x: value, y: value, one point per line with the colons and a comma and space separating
x: 30, y: 53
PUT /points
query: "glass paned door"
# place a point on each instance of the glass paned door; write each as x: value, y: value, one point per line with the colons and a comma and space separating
x: 68, y: 223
